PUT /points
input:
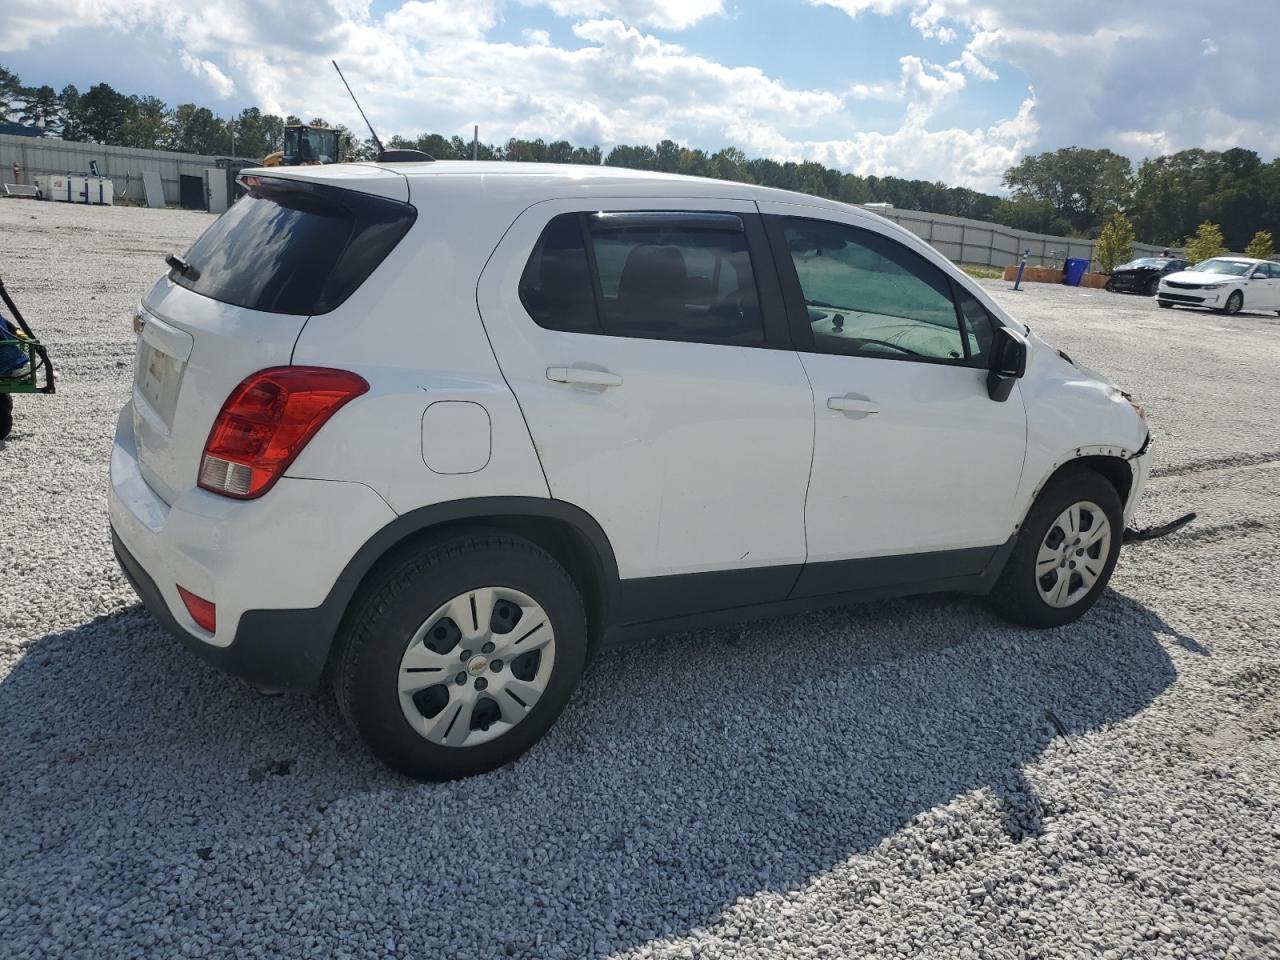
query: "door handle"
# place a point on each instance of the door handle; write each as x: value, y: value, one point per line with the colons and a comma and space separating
x: 584, y: 375
x: 852, y: 404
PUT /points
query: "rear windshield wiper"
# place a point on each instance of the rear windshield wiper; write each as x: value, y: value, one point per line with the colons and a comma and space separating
x: 182, y: 266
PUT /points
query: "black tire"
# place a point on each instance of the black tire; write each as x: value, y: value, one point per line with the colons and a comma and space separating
x: 1167, y: 304
x: 1153, y: 286
x: 1111, y: 285
x: 1235, y: 303
x: 1016, y: 594
x: 399, y: 598
x: 6, y: 415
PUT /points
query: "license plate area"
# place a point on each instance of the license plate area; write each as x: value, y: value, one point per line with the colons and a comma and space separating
x: 158, y: 376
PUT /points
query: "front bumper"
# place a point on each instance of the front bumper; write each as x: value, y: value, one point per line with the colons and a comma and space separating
x: 1194, y: 298
x: 272, y: 566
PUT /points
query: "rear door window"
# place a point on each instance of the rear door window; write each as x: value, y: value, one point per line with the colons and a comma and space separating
x: 292, y: 247
x: 659, y: 275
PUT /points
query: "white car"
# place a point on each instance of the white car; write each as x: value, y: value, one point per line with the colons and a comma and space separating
x: 434, y: 433
x: 1228, y: 284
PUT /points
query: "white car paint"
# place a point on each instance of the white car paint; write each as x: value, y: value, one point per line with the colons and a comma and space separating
x: 1197, y: 288
x: 690, y: 456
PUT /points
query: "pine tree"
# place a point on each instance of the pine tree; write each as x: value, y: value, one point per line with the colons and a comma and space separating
x: 1261, y: 246
x: 1206, y: 243
x: 1115, y: 243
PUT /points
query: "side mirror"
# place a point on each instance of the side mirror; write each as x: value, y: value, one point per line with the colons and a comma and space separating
x: 1008, y: 363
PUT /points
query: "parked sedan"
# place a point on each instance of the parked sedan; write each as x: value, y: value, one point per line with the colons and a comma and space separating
x: 1226, y: 284
x: 1143, y: 275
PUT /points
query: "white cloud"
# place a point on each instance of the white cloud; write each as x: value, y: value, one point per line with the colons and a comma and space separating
x: 663, y: 14
x: 1137, y: 84
x: 208, y: 71
x: 435, y: 19
x: 1146, y: 81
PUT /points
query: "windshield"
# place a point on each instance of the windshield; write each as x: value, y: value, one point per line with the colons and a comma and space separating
x: 1232, y: 268
x: 307, y: 145
x: 1147, y: 262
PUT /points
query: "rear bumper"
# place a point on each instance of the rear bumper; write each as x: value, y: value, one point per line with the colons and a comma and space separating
x: 272, y: 567
x: 280, y: 649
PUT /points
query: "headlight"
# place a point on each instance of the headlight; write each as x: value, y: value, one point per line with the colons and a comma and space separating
x: 1213, y: 286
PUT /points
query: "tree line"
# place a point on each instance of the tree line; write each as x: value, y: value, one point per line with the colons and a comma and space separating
x: 1069, y: 192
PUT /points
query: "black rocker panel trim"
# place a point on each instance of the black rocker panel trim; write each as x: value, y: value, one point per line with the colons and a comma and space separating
x: 850, y: 592
x: 650, y: 600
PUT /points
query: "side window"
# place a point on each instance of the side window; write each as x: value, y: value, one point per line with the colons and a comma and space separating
x: 871, y: 296
x: 675, y: 276
x: 556, y: 285
x: 661, y: 275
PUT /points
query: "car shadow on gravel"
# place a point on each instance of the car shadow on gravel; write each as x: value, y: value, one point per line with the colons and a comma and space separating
x: 689, y: 772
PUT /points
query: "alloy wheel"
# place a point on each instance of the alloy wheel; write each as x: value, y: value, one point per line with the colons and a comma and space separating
x: 476, y: 667
x: 1073, y: 554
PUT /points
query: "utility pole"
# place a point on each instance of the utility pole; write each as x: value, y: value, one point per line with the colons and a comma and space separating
x: 475, y: 142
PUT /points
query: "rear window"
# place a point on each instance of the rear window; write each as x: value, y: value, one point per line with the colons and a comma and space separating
x: 290, y: 247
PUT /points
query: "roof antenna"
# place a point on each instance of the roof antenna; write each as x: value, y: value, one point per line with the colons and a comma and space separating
x: 384, y: 155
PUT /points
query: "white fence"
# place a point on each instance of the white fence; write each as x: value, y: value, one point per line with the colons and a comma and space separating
x: 993, y: 245
x: 124, y: 165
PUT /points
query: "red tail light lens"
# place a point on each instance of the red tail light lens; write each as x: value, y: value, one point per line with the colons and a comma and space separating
x: 266, y: 422
x: 202, y: 611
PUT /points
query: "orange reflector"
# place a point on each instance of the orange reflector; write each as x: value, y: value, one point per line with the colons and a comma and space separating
x: 202, y: 611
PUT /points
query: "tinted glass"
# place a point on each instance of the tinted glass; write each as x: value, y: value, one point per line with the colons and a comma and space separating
x: 869, y: 295
x: 556, y: 285
x: 288, y: 247
x: 676, y: 280
x: 978, y: 324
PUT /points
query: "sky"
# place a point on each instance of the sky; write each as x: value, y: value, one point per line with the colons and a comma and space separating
x: 949, y: 90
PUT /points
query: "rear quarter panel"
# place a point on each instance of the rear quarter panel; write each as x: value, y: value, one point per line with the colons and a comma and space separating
x: 413, y: 331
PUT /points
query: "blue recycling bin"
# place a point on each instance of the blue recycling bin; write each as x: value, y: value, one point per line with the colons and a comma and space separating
x: 1075, y: 270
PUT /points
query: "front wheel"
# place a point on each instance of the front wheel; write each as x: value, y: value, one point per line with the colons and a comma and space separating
x: 461, y: 655
x: 1065, y: 552
x: 1234, y: 303
x: 1111, y: 285
x: 1167, y: 304
x: 1153, y: 287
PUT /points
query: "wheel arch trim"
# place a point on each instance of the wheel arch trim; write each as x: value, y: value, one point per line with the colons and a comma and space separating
x: 488, y: 509
x: 1088, y: 456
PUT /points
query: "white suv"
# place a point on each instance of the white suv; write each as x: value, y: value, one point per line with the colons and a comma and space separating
x: 436, y: 432
x: 1226, y: 284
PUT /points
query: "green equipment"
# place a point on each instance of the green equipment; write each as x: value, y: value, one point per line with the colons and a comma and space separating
x: 22, y: 359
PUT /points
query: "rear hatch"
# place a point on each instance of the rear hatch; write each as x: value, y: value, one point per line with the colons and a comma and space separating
x: 291, y: 248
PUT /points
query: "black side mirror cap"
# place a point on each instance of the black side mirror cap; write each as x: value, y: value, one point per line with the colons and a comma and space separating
x: 1008, y: 363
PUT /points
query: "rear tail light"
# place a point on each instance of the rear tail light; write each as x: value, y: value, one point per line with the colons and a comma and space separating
x: 266, y: 422
x: 202, y: 611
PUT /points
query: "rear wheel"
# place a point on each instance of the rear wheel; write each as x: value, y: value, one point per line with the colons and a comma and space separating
x: 6, y: 415
x: 1153, y: 286
x: 1065, y: 553
x: 461, y: 656
x: 1234, y: 303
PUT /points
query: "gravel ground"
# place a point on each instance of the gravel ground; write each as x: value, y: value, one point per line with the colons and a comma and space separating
x: 876, y: 781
